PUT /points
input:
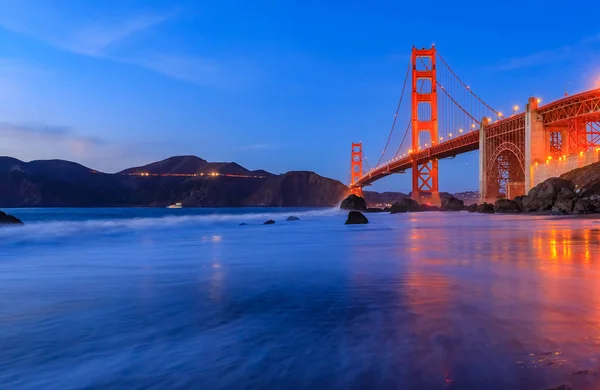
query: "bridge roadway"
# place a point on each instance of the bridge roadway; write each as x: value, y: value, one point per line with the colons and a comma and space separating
x: 585, y: 105
x: 457, y: 145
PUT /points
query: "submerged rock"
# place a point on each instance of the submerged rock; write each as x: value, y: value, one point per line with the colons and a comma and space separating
x: 356, y: 218
x: 243, y: 224
x: 486, y: 208
x: 269, y: 222
x: 374, y: 210
x: 405, y: 205
x: 292, y: 218
x: 9, y: 219
x: 353, y: 202
x: 452, y: 204
x: 506, y: 206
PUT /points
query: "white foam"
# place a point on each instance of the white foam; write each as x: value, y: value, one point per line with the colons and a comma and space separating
x: 49, y: 230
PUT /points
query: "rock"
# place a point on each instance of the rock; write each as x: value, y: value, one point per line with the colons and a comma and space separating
x: 354, y: 202
x: 452, y: 204
x: 563, y: 206
x: 506, y: 206
x: 243, y: 224
x: 565, y: 200
x: 387, y: 209
x: 583, y: 206
x: 269, y: 222
x: 356, y: 218
x: 9, y: 219
x: 486, y: 208
x: 405, y: 205
x: 375, y: 210
x: 292, y: 218
x: 543, y: 196
x: 561, y: 387
x: 427, y: 207
x: 519, y: 200
x: 472, y: 208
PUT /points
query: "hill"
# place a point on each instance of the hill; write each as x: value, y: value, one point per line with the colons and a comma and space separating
x: 59, y: 183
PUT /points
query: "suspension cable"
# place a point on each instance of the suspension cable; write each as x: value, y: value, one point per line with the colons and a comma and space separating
x: 465, y: 85
x: 395, y: 116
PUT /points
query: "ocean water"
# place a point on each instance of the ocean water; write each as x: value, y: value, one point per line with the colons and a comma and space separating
x: 188, y: 299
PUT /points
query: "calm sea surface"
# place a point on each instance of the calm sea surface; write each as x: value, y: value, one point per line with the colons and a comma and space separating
x: 188, y: 299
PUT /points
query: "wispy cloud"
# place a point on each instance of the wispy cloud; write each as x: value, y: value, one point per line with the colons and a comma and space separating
x: 105, y: 38
x: 30, y: 141
x: 95, y: 39
x: 26, y: 133
x: 257, y: 147
x: 547, y: 56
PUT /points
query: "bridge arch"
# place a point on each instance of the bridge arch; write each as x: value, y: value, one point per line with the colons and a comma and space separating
x: 506, y: 173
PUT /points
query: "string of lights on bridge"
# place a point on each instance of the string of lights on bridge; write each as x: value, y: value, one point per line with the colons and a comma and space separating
x: 458, y: 110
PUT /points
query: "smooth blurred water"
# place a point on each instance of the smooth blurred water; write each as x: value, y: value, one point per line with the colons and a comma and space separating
x: 188, y: 299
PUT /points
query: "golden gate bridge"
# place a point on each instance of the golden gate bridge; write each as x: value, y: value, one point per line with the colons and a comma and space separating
x: 516, y: 151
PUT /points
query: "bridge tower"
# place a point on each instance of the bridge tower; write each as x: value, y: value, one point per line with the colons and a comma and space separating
x: 424, y: 121
x: 356, y: 167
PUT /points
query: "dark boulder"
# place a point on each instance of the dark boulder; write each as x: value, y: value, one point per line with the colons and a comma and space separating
x: 269, y: 222
x: 452, y: 204
x: 243, y: 224
x: 427, y: 207
x: 543, y: 196
x: 486, y: 208
x: 292, y: 218
x: 506, y: 206
x: 375, y: 210
x: 565, y: 200
x: 472, y: 208
x: 405, y: 205
x: 9, y: 219
x: 519, y: 200
x: 356, y: 218
x: 583, y: 206
x: 353, y: 202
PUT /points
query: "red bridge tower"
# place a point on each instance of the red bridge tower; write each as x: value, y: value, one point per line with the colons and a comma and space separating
x: 356, y: 167
x: 424, y: 120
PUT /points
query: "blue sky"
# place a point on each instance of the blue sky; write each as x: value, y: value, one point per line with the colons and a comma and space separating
x: 269, y: 84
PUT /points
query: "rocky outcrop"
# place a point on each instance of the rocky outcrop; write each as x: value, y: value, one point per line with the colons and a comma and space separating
x: 519, y: 200
x: 452, y: 204
x: 583, y: 206
x: 405, y: 205
x: 354, y: 202
x: 292, y: 218
x: 6, y: 219
x: 297, y: 189
x: 472, y: 208
x: 427, y: 207
x: 543, y: 196
x: 506, y: 206
x: 356, y: 218
x: 486, y: 208
x: 269, y: 222
x: 586, y: 180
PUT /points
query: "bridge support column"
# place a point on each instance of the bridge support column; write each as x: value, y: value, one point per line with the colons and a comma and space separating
x: 483, y: 195
x: 537, y: 144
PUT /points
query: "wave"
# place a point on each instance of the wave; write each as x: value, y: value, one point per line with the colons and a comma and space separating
x: 49, y: 230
